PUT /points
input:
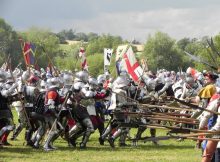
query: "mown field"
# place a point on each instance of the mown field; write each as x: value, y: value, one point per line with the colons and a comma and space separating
x: 167, y: 151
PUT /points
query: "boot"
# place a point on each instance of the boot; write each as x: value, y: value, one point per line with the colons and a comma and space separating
x: 37, y: 142
x: 153, y: 134
x: 16, y: 132
x: 106, y: 132
x: 101, y: 141
x: 72, y: 143
x: 48, y: 144
x: 28, y: 135
x: 4, y: 139
x: 82, y: 145
x: 85, y: 140
x: 111, y: 142
x: 139, y: 132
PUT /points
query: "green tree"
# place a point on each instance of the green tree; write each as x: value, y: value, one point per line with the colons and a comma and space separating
x: 46, y: 42
x: 9, y: 44
x: 161, y: 52
x: 104, y: 41
x: 92, y: 36
x: 81, y: 37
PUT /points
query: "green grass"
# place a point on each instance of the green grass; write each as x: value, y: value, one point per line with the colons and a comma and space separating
x: 167, y: 151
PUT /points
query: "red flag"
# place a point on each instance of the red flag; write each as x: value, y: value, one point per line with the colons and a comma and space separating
x: 28, y: 51
x: 82, y: 55
x: 132, y: 66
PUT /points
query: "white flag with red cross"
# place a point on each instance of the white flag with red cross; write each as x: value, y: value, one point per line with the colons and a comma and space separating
x: 132, y: 66
x: 82, y: 55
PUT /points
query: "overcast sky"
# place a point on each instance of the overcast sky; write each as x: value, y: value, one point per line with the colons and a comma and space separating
x: 127, y: 18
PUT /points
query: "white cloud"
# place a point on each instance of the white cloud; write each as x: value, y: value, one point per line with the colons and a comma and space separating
x: 134, y: 19
x: 178, y: 23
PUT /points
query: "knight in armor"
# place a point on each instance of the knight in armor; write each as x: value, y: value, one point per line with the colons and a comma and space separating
x: 22, y: 118
x: 167, y: 87
x: 118, y: 104
x: 146, y: 95
x: 65, y: 117
x: 7, y: 95
x: 37, y: 117
x: 190, y: 88
x: 29, y: 91
x: 82, y: 98
x: 52, y: 102
x: 95, y: 108
x: 178, y: 85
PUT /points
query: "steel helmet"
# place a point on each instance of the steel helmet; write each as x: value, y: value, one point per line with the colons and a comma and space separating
x: 82, y: 76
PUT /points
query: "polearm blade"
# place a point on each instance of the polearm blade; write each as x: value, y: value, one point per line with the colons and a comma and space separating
x: 213, y: 47
x: 198, y: 59
x: 212, y: 57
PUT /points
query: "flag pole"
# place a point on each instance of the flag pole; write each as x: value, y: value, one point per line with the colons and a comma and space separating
x: 19, y: 95
x: 50, y: 61
x: 22, y: 48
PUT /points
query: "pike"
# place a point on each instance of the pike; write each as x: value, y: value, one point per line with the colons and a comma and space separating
x: 159, y: 115
x: 56, y: 120
x: 196, y: 107
x: 178, y: 129
x: 193, y: 136
x: 49, y: 59
x: 164, y: 107
x: 212, y: 57
x: 140, y: 124
x: 173, y: 114
x: 198, y: 59
x: 165, y: 113
x: 172, y: 120
x: 159, y: 138
x: 212, y: 46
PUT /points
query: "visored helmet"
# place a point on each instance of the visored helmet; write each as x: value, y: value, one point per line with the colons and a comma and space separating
x: 121, y: 82
x: 2, y: 75
x: 93, y: 81
x: 82, y: 76
x: 151, y: 84
x: 101, y: 79
x: 9, y: 78
x: 25, y: 75
x: 43, y: 86
x: 54, y: 83
x: 190, y: 81
x: 67, y: 79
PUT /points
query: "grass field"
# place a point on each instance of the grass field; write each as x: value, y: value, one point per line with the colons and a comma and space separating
x: 167, y: 151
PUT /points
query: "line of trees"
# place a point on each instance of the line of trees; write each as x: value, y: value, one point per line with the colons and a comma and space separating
x: 160, y: 50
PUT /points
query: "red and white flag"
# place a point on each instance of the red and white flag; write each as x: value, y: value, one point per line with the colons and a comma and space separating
x: 131, y: 65
x: 82, y: 55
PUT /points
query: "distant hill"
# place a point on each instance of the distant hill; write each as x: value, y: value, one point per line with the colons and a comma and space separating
x: 72, y: 42
x: 140, y: 47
